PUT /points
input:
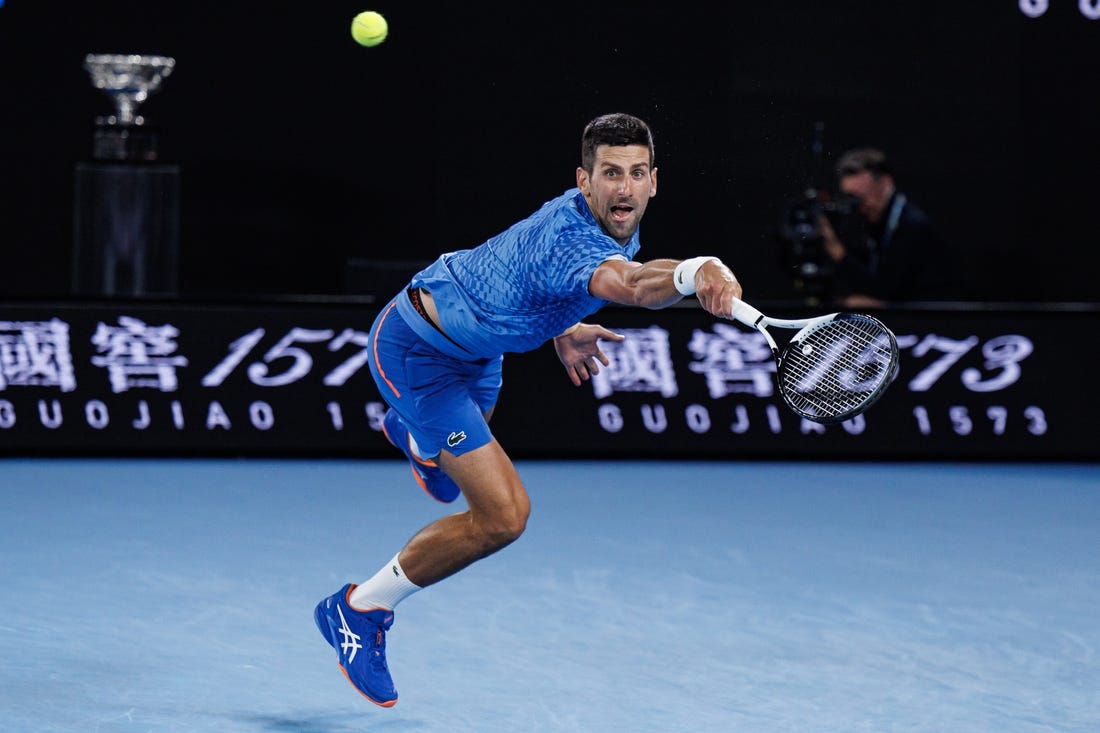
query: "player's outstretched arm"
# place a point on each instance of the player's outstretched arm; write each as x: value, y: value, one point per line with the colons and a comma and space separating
x: 579, y: 350
x: 643, y: 284
x: 660, y: 283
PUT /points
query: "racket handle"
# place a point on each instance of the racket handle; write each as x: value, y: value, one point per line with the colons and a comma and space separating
x: 745, y: 313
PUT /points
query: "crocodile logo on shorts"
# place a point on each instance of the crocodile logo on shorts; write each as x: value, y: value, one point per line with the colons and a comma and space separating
x: 455, y: 438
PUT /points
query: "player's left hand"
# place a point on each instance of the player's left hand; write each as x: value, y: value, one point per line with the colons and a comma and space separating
x: 580, y: 352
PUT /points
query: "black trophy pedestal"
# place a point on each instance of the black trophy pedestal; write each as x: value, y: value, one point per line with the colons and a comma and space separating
x: 126, y: 217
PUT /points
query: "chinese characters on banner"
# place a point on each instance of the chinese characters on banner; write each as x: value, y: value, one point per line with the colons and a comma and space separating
x: 294, y: 380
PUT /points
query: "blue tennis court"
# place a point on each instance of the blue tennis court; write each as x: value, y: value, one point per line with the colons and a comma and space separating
x: 176, y: 595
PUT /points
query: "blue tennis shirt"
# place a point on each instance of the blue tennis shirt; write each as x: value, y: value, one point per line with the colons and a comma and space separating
x: 525, y: 285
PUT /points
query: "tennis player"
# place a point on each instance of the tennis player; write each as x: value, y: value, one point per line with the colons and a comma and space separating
x: 436, y: 352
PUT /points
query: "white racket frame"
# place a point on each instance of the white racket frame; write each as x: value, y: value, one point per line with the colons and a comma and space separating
x: 750, y: 316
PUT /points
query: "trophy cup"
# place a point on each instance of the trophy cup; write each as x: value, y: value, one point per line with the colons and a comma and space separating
x: 127, y: 202
x: 129, y: 79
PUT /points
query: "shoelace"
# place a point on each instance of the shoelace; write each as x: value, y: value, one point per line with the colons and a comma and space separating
x: 378, y: 652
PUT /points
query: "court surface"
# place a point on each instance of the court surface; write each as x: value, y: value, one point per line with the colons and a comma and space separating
x: 177, y: 596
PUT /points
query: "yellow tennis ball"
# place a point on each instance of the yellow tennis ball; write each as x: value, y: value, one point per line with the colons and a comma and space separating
x: 369, y: 28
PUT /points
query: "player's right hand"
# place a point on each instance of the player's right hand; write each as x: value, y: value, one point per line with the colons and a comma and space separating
x: 716, y: 287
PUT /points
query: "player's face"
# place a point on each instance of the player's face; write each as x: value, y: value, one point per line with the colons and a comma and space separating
x: 619, y: 188
x: 870, y: 192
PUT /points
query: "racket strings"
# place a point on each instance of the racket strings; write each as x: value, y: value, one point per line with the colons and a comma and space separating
x: 837, y: 368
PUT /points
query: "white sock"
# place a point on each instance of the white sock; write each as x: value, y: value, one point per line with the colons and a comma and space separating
x: 386, y: 589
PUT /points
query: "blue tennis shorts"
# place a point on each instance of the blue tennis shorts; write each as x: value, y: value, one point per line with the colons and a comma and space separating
x: 442, y: 397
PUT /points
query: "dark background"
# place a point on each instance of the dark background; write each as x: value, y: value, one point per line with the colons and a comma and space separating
x: 302, y: 151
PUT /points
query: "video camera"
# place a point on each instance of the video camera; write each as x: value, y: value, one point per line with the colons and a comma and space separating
x: 803, y: 246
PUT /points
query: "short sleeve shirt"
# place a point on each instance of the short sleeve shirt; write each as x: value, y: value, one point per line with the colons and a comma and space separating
x: 527, y: 284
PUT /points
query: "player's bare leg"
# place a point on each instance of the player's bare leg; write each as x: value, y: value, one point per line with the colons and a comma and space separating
x: 356, y: 618
x: 497, y: 516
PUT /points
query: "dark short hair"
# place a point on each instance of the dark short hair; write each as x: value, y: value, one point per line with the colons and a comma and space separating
x: 859, y: 160
x: 616, y: 129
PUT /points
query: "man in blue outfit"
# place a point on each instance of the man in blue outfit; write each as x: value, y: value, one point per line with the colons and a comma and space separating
x: 436, y: 351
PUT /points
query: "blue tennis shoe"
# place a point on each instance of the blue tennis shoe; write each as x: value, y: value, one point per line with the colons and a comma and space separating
x: 427, y: 473
x: 359, y: 638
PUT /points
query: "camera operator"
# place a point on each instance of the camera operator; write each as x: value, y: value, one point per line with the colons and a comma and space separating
x: 897, y: 254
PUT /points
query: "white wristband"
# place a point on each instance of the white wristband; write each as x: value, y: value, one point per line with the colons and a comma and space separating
x: 683, y: 277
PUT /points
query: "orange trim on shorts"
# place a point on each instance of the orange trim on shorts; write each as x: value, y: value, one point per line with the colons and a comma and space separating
x: 375, y: 349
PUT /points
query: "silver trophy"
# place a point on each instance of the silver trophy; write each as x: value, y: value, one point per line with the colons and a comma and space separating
x: 129, y: 79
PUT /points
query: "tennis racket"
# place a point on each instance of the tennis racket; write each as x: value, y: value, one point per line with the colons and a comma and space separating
x: 835, y: 367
